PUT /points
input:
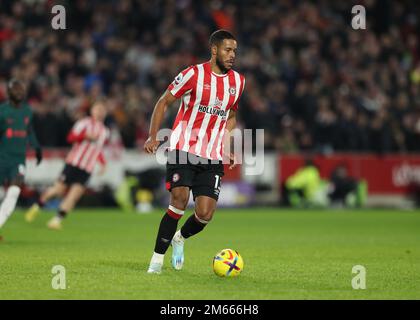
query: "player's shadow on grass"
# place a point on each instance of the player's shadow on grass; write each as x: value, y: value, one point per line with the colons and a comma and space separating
x: 129, y: 265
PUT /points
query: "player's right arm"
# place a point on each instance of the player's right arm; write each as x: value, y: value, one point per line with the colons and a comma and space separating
x: 79, y: 133
x: 158, y: 115
x: 182, y: 83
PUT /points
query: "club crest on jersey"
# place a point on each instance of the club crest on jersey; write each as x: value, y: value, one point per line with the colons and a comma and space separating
x: 178, y: 78
x: 232, y: 91
x: 175, y: 177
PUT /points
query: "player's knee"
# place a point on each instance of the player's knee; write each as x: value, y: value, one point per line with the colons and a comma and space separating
x: 204, y: 215
x: 179, y: 203
x: 13, y: 192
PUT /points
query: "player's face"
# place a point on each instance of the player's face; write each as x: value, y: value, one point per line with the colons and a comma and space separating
x: 17, y: 92
x: 226, y: 53
x: 98, y: 111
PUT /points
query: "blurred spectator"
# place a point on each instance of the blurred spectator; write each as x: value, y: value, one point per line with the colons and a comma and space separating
x: 345, y: 190
x: 305, y: 187
x: 313, y: 83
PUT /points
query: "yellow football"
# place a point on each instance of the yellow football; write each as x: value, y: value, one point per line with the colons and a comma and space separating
x: 228, y: 263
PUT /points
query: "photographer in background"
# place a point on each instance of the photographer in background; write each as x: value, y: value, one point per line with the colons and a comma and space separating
x: 345, y: 190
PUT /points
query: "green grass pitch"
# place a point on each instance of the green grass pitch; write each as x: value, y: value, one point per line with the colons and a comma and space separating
x: 288, y: 254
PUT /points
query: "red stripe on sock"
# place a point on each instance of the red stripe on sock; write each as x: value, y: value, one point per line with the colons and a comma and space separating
x: 173, y: 214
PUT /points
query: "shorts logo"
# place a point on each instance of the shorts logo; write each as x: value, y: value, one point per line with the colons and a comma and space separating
x: 175, y: 177
x: 232, y: 91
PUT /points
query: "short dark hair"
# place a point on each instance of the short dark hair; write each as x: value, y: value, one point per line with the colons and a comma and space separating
x: 12, y: 82
x: 218, y: 36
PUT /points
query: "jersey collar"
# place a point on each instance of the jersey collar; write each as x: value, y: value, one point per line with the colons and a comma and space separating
x: 207, y: 68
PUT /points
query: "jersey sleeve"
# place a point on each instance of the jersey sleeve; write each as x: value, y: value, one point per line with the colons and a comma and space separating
x: 241, y: 90
x: 101, y: 159
x: 183, y: 82
x: 78, y: 132
x: 2, y: 126
x: 32, y: 138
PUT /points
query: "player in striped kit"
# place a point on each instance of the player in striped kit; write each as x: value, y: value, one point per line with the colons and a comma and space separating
x: 209, y: 94
x: 88, y: 137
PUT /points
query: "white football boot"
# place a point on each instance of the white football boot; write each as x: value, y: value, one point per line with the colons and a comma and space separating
x: 156, y: 263
x: 178, y: 250
x: 55, y: 223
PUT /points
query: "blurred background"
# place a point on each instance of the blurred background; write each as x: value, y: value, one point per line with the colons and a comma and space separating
x: 340, y: 108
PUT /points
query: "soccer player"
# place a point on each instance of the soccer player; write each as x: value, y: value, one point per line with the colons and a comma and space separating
x: 16, y: 132
x: 88, y: 137
x: 209, y: 94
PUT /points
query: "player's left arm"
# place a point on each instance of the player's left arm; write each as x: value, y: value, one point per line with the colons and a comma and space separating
x: 102, y: 161
x: 101, y: 156
x: 231, y: 121
x: 2, y: 126
x: 33, y: 141
x: 230, y: 125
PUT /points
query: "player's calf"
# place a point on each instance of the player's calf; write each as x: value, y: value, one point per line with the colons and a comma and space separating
x: 167, y: 229
x: 75, y: 193
x: 192, y: 226
x: 9, y: 203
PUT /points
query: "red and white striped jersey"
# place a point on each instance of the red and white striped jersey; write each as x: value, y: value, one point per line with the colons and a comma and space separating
x: 207, y: 99
x: 85, y: 153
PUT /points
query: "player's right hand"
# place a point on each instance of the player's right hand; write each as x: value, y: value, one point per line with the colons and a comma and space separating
x: 38, y: 155
x: 91, y: 137
x: 102, y: 170
x: 151, y: 145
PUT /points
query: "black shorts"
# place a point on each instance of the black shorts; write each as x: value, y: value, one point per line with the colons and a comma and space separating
x: 72, y: 175
x: 201, y: 175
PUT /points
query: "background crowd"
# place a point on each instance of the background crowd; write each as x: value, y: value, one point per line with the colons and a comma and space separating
x: 313, y: 83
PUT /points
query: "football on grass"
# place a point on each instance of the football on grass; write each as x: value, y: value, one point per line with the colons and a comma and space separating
x: 228, y: 263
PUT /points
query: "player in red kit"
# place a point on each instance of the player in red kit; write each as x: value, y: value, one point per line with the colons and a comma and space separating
x: 88, y: 137
x: 209, y: 94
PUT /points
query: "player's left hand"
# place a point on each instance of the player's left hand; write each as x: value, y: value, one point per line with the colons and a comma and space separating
x: 38, y: 154
x: 151, y: 145
x: 233, y: 161
x: 102, y: 170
